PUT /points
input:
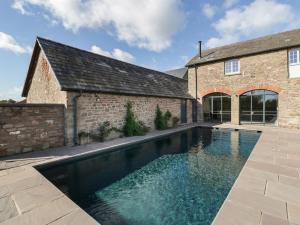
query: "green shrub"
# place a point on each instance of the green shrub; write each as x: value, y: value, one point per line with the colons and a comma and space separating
x: 132, y: 126
x: 175, y: 121
x: 103, y: 131
x: 162, y: 120
x: 159, y: 119
x: 167, y: 117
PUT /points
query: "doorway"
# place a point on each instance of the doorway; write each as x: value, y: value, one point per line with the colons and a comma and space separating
x: 217, y: 108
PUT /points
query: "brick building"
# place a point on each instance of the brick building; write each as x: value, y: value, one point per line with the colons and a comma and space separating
x: 95, y: 88
x: 255, y: 81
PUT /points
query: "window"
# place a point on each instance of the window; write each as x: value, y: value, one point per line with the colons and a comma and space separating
x: 294, y: 56
x: 217, y: 107
x: 232, y: 66
x: 294, y: 62
x: 259, y: 106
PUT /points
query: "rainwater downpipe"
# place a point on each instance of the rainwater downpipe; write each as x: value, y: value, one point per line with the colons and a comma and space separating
x: 75, y: 112
x: 196, y: 106
x: 196, y: 74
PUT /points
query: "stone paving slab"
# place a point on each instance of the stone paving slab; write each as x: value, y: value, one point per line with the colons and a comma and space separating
x: 283, y: 192
x: 272, y: 220
x: 294, y: 213
x: 7, y: 208
x: 275, y: 161
x: 35, y: 201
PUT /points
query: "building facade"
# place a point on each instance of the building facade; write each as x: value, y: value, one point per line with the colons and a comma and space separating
x: 95, y: 89
x: 252, y: 82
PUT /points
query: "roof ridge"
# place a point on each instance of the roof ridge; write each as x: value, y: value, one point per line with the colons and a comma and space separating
x: 254, y: 39
x: 110, y: 58
x: 259, y: 45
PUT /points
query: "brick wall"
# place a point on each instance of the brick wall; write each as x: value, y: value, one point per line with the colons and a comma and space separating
x: 94, y: 109
x: 30, y: 127
x: 263, y: 71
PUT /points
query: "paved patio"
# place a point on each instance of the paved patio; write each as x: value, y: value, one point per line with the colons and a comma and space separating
x: 267, y: 192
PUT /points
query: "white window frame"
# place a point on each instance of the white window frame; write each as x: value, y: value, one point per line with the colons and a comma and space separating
x: 231, y: 67
x: 298, y: 56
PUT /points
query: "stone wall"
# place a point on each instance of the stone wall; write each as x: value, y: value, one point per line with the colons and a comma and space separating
x: 30, y: 127
x: 94, y: 109
x: 263, y: 71
x: 44, y: 86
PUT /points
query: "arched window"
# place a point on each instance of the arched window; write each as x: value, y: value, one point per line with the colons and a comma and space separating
x: 258, y: 106
x: 217, y: 107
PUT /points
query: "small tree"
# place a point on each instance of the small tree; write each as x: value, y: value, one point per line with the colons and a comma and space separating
x: 159, y: 119
x: 162, y: 119
x: 132, y: 126
x: 167, y: 117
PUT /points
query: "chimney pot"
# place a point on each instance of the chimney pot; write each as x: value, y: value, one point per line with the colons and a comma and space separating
x: 200, y: 49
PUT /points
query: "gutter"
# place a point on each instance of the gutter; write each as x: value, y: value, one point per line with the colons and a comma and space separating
x: 75, y: 112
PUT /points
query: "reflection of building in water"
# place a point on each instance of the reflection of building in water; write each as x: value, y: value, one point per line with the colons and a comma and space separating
x: 234, y: 143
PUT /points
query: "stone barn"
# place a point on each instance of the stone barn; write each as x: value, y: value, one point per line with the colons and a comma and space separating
x: 94, y: 88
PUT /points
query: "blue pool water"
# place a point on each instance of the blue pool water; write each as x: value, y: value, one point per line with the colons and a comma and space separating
x: 180, y: 179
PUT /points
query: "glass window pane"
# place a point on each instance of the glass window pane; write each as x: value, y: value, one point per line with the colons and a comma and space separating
x: 258, y: 107
x: 226, y: 109
x: 294, y: 56
x: 257, y: 117
x: 258, y: 92
x: 245, y: 103
x: 232, y: 66
x: 245, y: 107
x: 216, y: 105
x: 270, y: 92
x: 235, y: 66
x: 226, y: 104
x: 257, y: 103
x: 207, y: 108
x: 271, y: 102
x: 228, y: 67
x: 247, y: 93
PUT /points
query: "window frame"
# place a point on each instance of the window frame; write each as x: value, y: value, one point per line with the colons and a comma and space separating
x: 297, y: 56
x: 231, y: 61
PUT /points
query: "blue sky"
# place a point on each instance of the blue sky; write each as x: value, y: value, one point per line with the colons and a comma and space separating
x: 157, y: 34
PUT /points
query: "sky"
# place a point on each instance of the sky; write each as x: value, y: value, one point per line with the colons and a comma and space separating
x: 156, y: 34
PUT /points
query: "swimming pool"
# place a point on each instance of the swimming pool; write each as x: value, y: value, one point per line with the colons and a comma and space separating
x: 178, y: 179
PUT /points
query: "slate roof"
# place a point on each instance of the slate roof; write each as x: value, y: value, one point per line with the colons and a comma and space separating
x: 260, y: 45
x: 180, y: 73
x: 80, y: 70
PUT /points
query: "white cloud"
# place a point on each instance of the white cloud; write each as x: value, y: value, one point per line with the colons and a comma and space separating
x: 146, y: 24
x: 116, y: 53
x: 258, y: 18
x: 19, y: 5
x: 230, y: 3
x: 52, y: 21
x: 122, y: 55
x: 100, y: 51
x: 12, y: 93
x: 224, y: 40
x: 209, y: 10
x: 7, y: 42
